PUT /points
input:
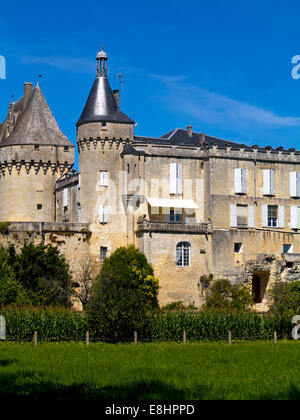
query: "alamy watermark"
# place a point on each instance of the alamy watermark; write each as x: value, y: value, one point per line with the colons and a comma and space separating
x: 2, y: 67
x: 296, y: 68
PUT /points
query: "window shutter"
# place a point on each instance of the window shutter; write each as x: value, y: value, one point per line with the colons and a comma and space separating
x: 244, y: 180
x: 79, y: 214
x: 281, y: 217
x: 294, y: 217
x: 104, y: 178
x: 272, y: 183
x: 251, y: 216
x: 264, y: 215
x: 298, y: 184
x: 233, y: 216
x: 101, y: 214
x: 268, y: 178
x: 79, y: 180
x: 238, y: 180
x: 105, y: 214
x: 293, y: 184
x: 173, y: 178
x: 65, y: 197
x: 179, y: 178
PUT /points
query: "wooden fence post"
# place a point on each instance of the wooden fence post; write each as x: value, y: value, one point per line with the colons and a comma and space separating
x: 87, y: 338
x: 275, y: 337
x: 184, y: 337
x: 35, y: 338
x: 135, y: 339
x: 229, y: 338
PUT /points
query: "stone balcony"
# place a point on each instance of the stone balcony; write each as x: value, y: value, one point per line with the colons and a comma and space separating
x: 144, y: 225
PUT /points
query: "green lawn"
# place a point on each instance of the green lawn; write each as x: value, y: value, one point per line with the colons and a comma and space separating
x: 150, y: 371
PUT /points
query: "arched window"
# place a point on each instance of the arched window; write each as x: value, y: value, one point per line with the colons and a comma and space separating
x: 183, y: 254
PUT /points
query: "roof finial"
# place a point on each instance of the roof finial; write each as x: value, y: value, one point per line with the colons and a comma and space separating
x: 101, y: 63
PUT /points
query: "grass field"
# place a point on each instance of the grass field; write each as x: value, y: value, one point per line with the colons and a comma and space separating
x: 150, y: 371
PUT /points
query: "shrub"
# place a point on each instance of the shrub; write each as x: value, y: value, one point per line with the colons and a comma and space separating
x: 124, y: 292
x: 41, y: 272
x: 285, y: 298
x: 224, y: 296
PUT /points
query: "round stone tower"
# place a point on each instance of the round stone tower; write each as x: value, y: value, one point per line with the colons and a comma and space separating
x: 34, y: 153
x: 103, y: 130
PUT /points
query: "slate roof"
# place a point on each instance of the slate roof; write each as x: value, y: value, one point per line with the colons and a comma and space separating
x: 35, y: 124
x: 181, y: 137
x: 101, y: 105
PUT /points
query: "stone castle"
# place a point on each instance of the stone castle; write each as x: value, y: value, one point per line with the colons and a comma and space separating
x: 194, y: 204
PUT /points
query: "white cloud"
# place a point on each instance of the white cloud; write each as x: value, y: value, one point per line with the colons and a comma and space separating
x: 213, y: 108
x: 78, y: 65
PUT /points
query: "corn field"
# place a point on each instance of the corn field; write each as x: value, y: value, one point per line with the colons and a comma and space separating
x: 63, y: 325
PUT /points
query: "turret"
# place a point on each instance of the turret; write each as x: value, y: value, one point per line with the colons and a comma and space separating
x: 33, y: 155
x: 103, y: 130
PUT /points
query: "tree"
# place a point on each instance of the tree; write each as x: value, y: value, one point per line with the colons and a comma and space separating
x: 83, y: 279
x: 42, y: 272
x: 285, y: 298
x: 224, y: 296
x: 124, y: 292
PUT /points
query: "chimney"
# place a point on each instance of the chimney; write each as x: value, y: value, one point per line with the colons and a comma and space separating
x: 202, y: 138
x: 27, y: 93
x: 116, y: 93
x: 189, y: 130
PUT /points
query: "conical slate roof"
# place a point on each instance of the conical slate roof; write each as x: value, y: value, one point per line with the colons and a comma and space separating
x: 101, y: 105
x: 36, y: 124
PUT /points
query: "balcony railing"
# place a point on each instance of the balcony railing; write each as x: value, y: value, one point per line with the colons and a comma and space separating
x: 144, y: 225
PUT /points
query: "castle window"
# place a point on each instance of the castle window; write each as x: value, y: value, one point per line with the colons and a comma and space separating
x: 39, y: 206
x: 128, y: 168
x: 66, y: 197
x: 175, y: 178
x: 103, y: 179
x: 103, y: 123
x: 183, y: 254
x: 36, y: 147
x: 238, y: 248
x: 268, y: 178
x: 242, y: 215
x: 240, y: 181
x: 175, y: 215
x: 103, y: 253
x: 295, y: 184
x: 66, y: 148
x: 103, y: 213
x: 287, y: 248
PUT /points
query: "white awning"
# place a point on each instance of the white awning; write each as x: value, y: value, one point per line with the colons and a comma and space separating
x: 175, y: 203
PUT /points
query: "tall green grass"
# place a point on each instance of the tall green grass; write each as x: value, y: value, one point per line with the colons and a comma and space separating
x: 60, y: 324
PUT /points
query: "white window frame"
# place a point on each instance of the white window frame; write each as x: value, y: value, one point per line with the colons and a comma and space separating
x: 66, y: 197
x: 295, y: 184
x: 183, y: 254
x: 240, y: 181
x: 103, y: 178
x: 103, y: 213
x: 269, y: 182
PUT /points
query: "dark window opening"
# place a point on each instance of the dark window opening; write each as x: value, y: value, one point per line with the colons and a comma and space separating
x: 39, y: 206
x: 289, y: 264
x: 66, y: 148
x: 36, y: 147
x: 128, y: 168
x: 103, y: 253
x: 238, y: 248
x: 272, y: 216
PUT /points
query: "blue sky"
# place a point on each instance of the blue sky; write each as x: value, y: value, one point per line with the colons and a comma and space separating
x: 222, y: 66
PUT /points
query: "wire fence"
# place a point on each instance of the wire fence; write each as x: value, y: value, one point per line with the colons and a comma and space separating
x: 136, y: 339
